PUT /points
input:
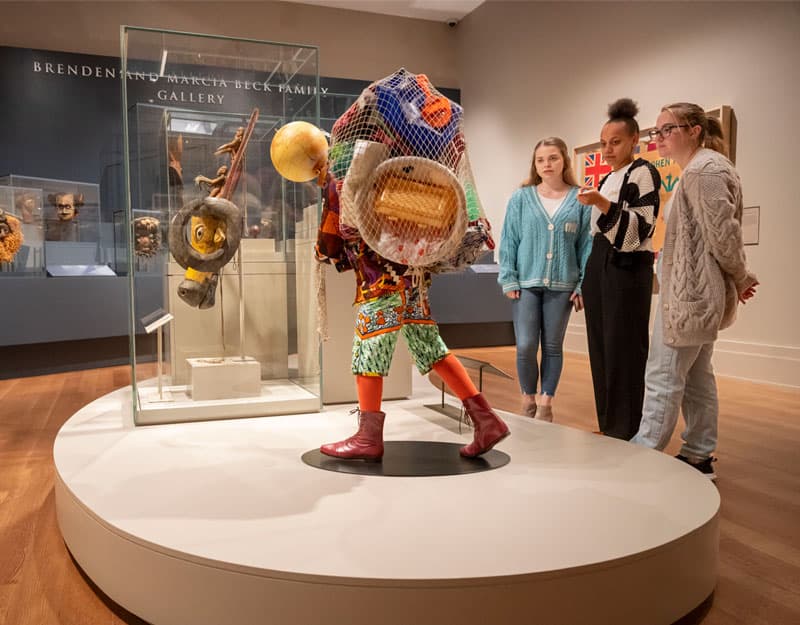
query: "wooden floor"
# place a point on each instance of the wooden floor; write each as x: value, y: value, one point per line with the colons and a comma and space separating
x: 759, y: 469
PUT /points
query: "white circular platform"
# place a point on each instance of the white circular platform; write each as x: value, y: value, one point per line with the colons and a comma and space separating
x: 221, y: 522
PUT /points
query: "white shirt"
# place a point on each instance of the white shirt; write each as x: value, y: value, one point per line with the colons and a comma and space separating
x: 665, y: 210
x: 610, y: 191
x: 551, y: 204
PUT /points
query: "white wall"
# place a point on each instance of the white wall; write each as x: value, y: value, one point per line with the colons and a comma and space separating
x: 533, y: 69
x: 353, y: 44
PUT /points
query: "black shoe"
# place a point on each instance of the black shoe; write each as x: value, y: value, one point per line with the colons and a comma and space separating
x: 704, y: 466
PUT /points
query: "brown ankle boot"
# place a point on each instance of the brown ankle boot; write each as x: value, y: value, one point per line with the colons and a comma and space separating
x: 366, y: 444
x: 489, y: 428
x: 529, y: 405
x: 545, y: 413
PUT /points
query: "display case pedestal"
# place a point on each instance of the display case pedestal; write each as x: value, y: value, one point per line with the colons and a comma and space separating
x: 176, y: 404
x: 224, y: 378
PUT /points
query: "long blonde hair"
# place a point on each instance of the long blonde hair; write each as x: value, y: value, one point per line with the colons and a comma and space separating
x: 711, y: 135
x: 567, y: 175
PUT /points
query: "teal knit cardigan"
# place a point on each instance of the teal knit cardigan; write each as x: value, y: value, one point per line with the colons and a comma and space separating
x: 539, y: 251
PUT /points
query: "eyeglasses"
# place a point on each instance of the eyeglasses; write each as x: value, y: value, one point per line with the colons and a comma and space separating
x: 665, y: 131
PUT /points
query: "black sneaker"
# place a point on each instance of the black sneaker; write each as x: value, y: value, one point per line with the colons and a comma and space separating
x: 704, y: 466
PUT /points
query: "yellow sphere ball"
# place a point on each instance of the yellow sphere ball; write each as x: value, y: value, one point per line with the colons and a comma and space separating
x: 298, y: 151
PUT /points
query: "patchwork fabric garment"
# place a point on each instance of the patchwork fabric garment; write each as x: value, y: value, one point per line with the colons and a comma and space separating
x: 388, y: 304
x: 375, y: 276
x: 377, y: 325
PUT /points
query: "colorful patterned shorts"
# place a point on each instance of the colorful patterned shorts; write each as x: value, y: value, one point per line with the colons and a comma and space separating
x: 377, y: 326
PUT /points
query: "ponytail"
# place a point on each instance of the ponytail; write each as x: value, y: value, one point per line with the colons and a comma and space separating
x: 715, y: 139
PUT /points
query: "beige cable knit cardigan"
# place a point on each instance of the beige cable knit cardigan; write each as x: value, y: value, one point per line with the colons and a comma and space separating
x: 704, y: 266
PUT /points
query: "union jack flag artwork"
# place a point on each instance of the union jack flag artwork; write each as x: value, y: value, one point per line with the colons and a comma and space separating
x: 594, y: 168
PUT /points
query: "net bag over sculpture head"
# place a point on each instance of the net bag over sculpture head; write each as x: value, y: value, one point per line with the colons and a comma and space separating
x: 405, y: 184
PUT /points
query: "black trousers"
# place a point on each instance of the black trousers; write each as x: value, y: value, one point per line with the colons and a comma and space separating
x: 617, y: 288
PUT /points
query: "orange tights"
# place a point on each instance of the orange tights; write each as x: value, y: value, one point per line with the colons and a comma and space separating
x: 370, y: 387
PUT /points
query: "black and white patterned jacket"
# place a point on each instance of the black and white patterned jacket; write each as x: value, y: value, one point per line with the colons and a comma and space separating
x: 631, y: 219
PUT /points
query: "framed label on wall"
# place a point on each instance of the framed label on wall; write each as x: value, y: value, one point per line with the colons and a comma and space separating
x: 751, y: 221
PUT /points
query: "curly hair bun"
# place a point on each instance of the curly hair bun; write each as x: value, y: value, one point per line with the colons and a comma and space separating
x: 624, y: 108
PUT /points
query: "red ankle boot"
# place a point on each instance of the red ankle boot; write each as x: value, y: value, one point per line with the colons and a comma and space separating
x: 489, y: 428
x: 366, y: 444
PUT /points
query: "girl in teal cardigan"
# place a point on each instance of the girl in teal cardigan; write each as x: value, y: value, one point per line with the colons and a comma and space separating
x: 543, y: 252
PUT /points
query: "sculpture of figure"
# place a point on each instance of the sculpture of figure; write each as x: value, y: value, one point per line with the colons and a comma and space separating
x: 64, y: 227
x: 66, y: 204
x: 232, y: 147
x: 392, y: 293
x: 214, y: 184
x: 175, y: 169
x: 175, y: 153
x: 10, y: 237
x: 203, y: 236
x: 28, y: 208
x: 146, y: 236
x: 5, y: 227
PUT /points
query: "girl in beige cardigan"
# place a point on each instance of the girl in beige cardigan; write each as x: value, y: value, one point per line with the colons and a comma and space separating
x: 703, y: 275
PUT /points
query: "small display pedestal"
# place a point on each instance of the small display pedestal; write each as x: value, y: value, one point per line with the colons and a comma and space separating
x: 224, y: 378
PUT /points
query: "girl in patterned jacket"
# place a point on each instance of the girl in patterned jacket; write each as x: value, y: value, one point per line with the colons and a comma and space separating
x: 618, y: 284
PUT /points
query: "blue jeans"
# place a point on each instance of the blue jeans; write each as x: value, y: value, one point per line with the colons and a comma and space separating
x: 540, y: 313
x: 679, y: 378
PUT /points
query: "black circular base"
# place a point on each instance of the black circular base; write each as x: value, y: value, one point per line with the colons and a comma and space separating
x: 412, y: 459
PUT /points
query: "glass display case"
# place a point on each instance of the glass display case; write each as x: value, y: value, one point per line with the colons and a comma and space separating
x: 70, y: 220
x: 21, y: 231
x: 220, y: 247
